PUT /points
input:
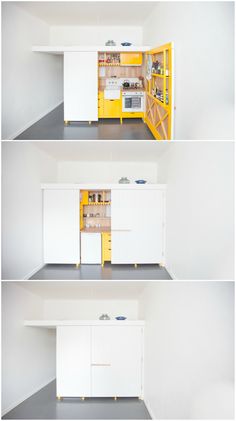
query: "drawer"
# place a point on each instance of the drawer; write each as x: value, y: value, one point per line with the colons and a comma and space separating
x: 112, y: 108
x: 107, y: 255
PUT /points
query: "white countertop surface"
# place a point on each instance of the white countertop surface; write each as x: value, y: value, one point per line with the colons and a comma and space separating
x: 60, y: 49
x: 54, y: 323
x: 117, y: 186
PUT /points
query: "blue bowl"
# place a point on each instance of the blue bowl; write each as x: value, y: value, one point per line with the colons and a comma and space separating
x: 140, y: 181
x: 126, y: 44
x: 121, y: 318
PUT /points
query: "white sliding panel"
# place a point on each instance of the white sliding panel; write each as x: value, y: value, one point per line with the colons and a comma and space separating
x: 91, y: 248
x: 73, y: 361
x: 81, y: 86
x: 137, y: 219
x: 116, y: 361
x: 61, y: 226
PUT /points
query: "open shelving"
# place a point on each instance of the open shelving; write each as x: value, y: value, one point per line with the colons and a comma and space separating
x: 159, y: 92
x: 95, y: 210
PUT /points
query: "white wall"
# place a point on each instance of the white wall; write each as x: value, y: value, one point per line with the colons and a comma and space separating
x: 31, y: 83
x: 203, y: 35
x: 24, y: 168
x: 90, y: 309
x: 199, y: 209
x: 95, y: 35
x: 28, y: 354
x: 105, y: 172
x: 189, y: 350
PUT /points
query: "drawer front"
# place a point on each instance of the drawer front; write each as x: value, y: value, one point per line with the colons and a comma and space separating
x: 107, y: 255
x: 112, y: 108
x: 131, y: 59
x: 132, y: 115
x: 106, y: 246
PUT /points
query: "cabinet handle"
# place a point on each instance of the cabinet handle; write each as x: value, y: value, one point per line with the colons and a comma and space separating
x: 102, y: 365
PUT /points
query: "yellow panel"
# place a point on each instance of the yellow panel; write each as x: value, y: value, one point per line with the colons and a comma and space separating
x: 112, y: 108
x: 131, y: 59
x: 132, y: 115
x: 106, y: 247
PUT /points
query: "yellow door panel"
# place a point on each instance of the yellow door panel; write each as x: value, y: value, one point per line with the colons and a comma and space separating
x: 131, y: 59
x: 112, y: 108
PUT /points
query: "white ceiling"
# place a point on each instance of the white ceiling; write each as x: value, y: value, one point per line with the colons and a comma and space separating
x: 74, y: 290
x: 104, y: 151
x: 89, y: 13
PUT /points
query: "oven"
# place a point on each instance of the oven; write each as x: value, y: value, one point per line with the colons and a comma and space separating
x: 132, y: 102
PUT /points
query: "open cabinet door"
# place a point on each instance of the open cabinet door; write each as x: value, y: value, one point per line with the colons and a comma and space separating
x: 159, y: 92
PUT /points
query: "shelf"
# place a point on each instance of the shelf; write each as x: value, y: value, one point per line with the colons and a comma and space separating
x: 165, y: 106
x: 157, y: 75
x: 108, y: 64
x: 97, y: 203
x: 96, y: 217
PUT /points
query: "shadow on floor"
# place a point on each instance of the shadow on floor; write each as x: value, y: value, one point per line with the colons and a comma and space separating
x: 51, y: 127
x: 44, y: 405
x: 97, y: 272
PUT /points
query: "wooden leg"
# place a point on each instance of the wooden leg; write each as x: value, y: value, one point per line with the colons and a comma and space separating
x: 90, y: 122
x: 66, y: 122
x: 162, y: 264
x: 115, y: 398
x: 77, y: 265
x: 121, y: 121
x: 82, y: 398
x: 59, y: 398
x: 135, y: 265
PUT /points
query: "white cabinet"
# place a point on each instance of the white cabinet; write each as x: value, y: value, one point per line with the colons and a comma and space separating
x: 116, y: 361
x: 80, y: 86
x: 100, y: 361
x: 91, y: 248
x: 73, y: 361
x: 61, y: 226
x: 137, y: 219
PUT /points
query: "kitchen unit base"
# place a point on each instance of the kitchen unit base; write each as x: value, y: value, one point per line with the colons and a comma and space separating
x: 99, y: 272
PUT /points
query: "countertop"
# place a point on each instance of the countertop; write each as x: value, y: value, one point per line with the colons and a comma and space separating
x: 52, y: 324
x: 96, y: 229
x: 125, y: 90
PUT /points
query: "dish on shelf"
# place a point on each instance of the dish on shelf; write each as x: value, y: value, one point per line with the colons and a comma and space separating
x: 126, y: 44
x: 121, y: 318
x: 140, y: 181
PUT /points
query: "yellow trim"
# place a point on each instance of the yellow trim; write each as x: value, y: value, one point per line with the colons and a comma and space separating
x: 106, y: 247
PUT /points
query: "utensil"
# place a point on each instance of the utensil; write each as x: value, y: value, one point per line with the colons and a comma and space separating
x: 140, y: 181
x: 126, y: 84
x: 110, y: 42
x: 104, y: 317
x: 124, y: 180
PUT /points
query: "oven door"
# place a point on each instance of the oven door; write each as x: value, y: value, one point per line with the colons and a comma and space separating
x: 132, y: 103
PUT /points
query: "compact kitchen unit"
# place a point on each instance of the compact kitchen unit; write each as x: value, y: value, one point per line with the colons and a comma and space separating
x: 118, y: 82
x: 94, y: 224
x: 97, y: 358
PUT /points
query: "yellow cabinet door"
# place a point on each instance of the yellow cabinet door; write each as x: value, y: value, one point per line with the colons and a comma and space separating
x: 112, y: 108
x: 131, y: 59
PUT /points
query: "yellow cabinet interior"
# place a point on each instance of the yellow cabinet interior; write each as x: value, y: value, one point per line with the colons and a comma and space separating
x: 131, y: 59
x: 106, y: 247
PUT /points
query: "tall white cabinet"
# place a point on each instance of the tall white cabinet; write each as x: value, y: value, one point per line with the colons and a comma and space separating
x: 137, y: 226
x: 61, y: 230
x: 101, y: 359
x: 80, y: 86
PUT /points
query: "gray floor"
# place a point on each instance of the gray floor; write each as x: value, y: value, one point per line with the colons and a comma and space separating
x: 51, y: 127
x: 97, y: 272
x: 43, y: 405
